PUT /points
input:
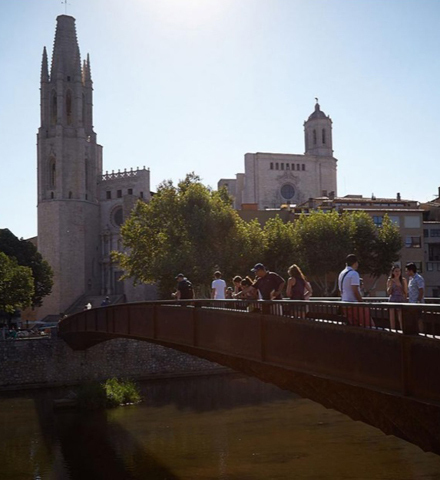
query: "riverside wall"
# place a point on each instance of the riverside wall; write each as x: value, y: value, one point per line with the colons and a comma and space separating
x: 47, y: 362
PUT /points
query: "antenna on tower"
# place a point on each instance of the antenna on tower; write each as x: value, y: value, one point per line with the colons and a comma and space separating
x: 64, y: 2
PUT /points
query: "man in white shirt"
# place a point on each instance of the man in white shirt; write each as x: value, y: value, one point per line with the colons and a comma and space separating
x: 349, y: 281
x: 349, y: 286
x: 218, y: 287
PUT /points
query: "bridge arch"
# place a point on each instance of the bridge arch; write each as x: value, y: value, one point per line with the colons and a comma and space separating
x: 384, y: 378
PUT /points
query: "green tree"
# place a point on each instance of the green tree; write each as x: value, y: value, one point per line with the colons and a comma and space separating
x: 26, y: 254
x: 388, y: 245
x: 185, y: 228
x: 322, y: 240
x: 16, y: 284
x: 279, y: 245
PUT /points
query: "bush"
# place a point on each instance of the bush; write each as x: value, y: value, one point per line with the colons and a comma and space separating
x: 111, y: 393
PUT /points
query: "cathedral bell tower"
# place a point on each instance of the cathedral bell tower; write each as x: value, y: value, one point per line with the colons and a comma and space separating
x: 318, y: 134
x: 69, y: 169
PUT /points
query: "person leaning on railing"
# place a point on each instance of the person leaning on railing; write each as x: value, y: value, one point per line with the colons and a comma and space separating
x: 349, y: 286
x: 269, y: 284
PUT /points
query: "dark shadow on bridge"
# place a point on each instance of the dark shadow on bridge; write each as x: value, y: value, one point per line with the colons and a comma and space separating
x: 347, y: 360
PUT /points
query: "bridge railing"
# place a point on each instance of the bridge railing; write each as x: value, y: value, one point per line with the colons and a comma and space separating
x: 411, y: 319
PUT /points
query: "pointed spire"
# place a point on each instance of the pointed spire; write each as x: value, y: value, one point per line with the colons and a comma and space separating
x: 66, y: 58
x: 89, y: 71
x: 83, y: 73
x: 86, y: 74
x: 44, y: 68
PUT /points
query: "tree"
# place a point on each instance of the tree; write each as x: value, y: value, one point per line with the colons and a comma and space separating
x: 16, y: 285
x: 27, y: 255
x: 279, y: 245
x: 185, y: 228
x: 322, y: 240
x: 388, y: 245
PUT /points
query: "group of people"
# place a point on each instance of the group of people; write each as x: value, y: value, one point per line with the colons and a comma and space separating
x: 398, y: 288
x: 267, y: 285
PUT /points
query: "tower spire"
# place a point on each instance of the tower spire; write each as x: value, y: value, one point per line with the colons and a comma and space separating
x: 89, y: 71
x: 66, y: 59
x: 44, y: 67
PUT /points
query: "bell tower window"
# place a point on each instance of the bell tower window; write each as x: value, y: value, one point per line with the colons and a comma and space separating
x: 323, y: 135
x: 314, y: 137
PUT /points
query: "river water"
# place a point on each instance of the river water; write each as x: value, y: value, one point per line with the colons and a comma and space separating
x: 216, y: 427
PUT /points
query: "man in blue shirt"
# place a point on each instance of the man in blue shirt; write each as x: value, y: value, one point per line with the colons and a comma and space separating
x: 416, y: 285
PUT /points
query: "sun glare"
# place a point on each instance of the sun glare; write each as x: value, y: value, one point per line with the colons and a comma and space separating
x: 189, y: 13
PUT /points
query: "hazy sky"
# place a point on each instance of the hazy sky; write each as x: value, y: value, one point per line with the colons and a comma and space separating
x: 192, y: 85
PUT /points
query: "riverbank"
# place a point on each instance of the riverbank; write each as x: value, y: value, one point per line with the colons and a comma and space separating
x: 50, y: 362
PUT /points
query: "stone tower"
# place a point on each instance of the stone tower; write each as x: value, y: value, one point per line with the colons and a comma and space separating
x: 69, y: 166
x: 318, y: 134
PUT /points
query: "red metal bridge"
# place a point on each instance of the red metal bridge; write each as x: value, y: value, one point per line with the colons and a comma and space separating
x: 344, y: 357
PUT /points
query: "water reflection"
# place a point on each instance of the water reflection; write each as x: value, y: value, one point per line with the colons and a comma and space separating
x: 217, y: 427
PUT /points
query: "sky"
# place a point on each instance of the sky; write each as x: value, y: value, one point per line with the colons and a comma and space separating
x: 193, y: 85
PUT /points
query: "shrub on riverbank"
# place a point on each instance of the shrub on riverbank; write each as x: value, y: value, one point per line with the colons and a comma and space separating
x: 111, y: 393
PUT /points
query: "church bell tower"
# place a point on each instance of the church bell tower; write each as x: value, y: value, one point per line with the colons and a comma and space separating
x: 69, y: 169
x: 318, y: 133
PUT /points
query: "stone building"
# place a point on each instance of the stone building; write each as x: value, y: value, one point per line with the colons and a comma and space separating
x: 273, y: 179
x: 431, y: 236
x: 80, y: 209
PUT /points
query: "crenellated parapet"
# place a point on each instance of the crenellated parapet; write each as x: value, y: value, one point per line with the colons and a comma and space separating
x: 125, y: 174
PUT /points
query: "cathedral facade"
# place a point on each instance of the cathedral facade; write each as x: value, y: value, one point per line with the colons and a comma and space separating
x: 273, y: 179
x: 80, y: 209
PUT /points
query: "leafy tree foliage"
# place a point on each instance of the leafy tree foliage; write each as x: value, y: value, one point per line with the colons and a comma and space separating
x: 388, y: 244
x: 190, y: 229
x: 186, y: 228
x: 324, y: 240
x: 279, y: 245
x: 27, y: 255
x: 16, y: 284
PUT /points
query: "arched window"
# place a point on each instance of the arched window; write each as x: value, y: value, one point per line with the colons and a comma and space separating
x: 314, y: 137
x: 52, y: 173
x: 53, y: 107
x: 323, y: 135
x: 70, y: 195
x: 69, y: 107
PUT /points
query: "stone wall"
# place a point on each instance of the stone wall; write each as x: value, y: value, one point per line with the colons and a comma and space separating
x: 50, y: 362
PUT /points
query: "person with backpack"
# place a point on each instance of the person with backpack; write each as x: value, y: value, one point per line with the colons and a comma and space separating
x: 184, y: 288
x: 349, y: 283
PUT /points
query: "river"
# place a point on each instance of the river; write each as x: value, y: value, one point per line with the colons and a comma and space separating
x: 215, y: 427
